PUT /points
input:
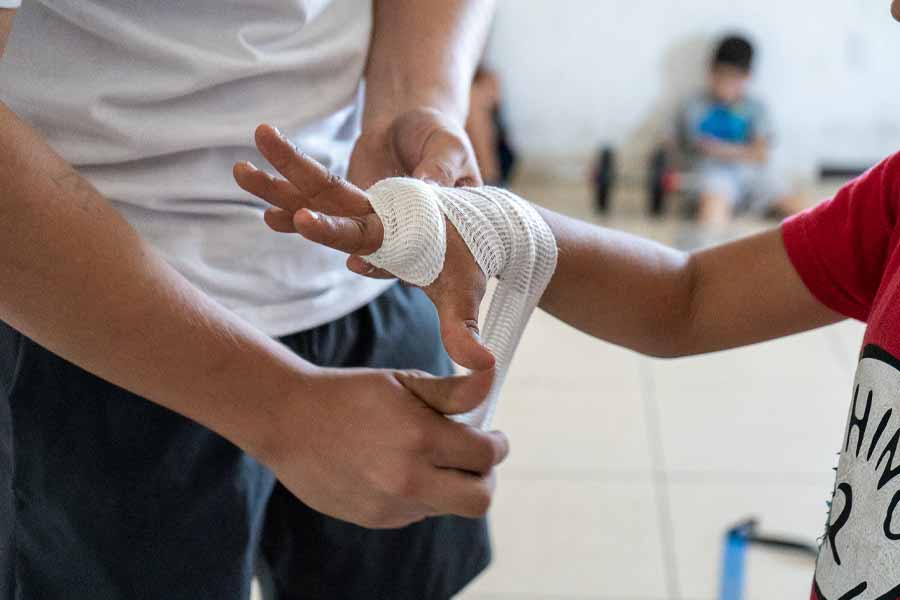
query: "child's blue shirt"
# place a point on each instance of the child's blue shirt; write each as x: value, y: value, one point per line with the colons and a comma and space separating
x: 741, y: 123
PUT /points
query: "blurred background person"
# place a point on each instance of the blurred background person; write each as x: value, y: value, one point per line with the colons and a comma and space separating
x: 725, y: 134
x: 487, y: 130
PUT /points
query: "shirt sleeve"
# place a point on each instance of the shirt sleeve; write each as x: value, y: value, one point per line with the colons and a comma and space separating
x: 762, y: 122
x: 10, y: 3
x: 840, y: 248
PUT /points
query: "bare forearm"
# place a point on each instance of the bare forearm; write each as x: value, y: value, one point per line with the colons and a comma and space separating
x: 424, y: 54
x: 659, y: 301
x: 756, y: 151
x: 77, y: 279
x: 614, y: 286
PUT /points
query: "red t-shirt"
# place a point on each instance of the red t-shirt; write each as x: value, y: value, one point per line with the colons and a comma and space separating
x: 847, y: 251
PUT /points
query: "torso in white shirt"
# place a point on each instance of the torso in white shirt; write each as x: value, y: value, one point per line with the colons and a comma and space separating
x: 154, y: 100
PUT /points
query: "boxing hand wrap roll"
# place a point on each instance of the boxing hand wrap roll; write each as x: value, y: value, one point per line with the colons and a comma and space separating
x: 506, y: 236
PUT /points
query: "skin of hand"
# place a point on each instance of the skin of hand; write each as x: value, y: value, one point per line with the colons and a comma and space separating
x: 369, y: 449
x: 423, y: 143
x: 754, y: 152
x: 329, y: 210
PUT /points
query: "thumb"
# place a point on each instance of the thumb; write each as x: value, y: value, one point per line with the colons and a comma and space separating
x: 457, y: 296
x: 449, y: 395
x: 448, y: 173
x: 437, y: 170
x: 458, y: 314
x: 444, y: 161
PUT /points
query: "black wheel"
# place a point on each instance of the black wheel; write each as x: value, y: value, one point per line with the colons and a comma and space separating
x: 604, y: 178
x: 656, y: 182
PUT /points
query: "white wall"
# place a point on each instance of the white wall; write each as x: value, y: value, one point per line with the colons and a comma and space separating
x: 577, y: 73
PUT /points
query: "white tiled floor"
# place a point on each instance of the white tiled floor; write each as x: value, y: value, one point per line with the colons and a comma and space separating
x: 626, y: 471
x: 562, y: 540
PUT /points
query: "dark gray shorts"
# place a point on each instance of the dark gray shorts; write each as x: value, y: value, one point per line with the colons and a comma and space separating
x: 104, y: 495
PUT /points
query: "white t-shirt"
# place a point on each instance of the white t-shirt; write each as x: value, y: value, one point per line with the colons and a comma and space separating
x: 154, y: 101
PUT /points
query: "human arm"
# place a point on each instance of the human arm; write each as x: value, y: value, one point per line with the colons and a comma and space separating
x: 757, y: 151
x: 690, y: 124
x: 421, y: 62
x: 612, y: 285
x: 440, y: 42
x: 664, y: 302
x: 360, y: 445
x: 825, y: 264
x: 418, y: 76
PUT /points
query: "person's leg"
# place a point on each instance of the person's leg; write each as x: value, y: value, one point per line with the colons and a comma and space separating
x: 713, y: 209
x: 114, y: 497
x: 314, y: 556
x: 717, y: 193
x: 790, y: 204
x: 771, y: 196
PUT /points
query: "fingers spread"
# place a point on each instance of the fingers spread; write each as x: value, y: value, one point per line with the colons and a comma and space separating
x: 315, y: 186
x: 273, y: 190
x: 307, y: 175
x: 353, y: 235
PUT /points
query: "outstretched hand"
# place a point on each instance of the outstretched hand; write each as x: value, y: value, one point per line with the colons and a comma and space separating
x: 331, y: 211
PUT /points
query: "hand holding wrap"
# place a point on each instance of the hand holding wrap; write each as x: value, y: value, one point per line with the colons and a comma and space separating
x: 506, y: 236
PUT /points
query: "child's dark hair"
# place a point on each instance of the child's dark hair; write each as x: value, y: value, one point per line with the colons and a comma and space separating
x: 734, y: 51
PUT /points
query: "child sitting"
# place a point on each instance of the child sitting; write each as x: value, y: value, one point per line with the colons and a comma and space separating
x: 725, y: 135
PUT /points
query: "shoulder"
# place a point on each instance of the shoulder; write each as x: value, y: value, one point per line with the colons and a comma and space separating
x: 755, y: 105
x: 885, y: 177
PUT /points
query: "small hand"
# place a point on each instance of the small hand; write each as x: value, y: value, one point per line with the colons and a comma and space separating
x: 333, y: 212
x: 373, y: 447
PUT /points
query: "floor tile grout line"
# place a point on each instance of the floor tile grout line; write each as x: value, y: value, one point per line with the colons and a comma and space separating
x: 652, y: 418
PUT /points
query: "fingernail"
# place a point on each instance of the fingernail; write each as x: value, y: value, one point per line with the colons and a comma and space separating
x: 315, y: 216
x: 278, y: 132
x: 250, y: 165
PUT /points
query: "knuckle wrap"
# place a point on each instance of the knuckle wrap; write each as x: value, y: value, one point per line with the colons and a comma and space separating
x: 506, y: 236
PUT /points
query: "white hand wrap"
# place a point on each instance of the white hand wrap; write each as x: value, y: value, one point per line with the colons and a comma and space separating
x: 507, y: 237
